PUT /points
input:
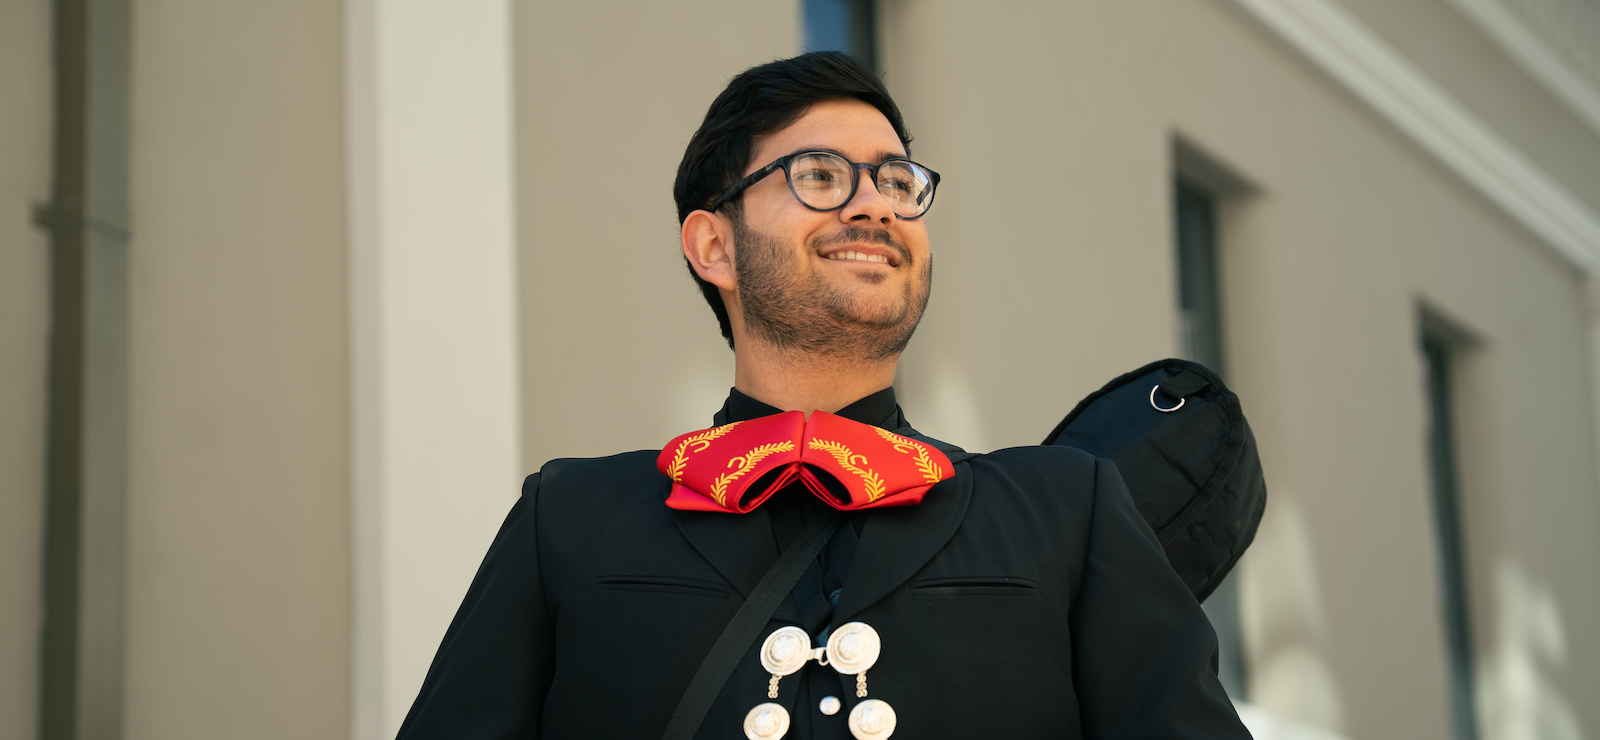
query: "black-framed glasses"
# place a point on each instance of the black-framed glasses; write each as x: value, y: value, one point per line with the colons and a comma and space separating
x: 824, y: 181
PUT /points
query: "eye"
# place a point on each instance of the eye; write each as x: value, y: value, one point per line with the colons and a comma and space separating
x: 814, y: 175
x: 896, y: 184
x: 900, y: 180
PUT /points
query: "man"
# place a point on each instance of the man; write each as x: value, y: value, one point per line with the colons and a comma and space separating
x: 1021, y: 595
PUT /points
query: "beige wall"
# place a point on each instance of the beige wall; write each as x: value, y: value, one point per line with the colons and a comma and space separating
x: 1045, y: 292
x: 25, y: 119
x: 239, y: 563
x: 619, y: 350
x: 1053, y: 125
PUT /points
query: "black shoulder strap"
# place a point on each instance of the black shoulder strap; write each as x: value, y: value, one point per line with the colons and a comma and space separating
x: 741, y: 632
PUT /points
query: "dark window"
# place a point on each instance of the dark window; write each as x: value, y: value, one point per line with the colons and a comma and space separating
x: 1200, y: 319
x: 1438, y: 353
x: 1198, y: 304
x: 842, y: 25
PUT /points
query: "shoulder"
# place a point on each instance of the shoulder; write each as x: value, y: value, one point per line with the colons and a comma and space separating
x: 1053, y: 461
x: 627, y: 474
x: 582, y: 499
x: 590, y: 486
x: 1048, y: 476
x: 628, y: 468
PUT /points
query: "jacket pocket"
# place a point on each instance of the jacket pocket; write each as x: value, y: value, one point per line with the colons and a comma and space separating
x: 663, y: 585
x: 976, y: 586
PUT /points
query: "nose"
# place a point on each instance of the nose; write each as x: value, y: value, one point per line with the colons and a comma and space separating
x: 868, y: 205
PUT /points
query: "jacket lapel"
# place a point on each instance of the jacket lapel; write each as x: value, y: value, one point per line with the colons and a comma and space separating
x: 739, y: 546
x: 896, y: 543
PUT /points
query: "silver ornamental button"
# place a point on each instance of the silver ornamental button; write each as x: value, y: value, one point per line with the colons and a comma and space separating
x: 785, y: 651
x: 770, y: 721
x: 829, y: 705
x: 871, y: 720
x: 853, y: 648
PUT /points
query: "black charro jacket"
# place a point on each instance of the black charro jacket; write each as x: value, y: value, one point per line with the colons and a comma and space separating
x: 1024, y: 598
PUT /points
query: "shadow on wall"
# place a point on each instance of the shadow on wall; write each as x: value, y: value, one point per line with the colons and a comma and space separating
x: 1286, y: 631
x: 1517, y: 691
x: 1519, y: 697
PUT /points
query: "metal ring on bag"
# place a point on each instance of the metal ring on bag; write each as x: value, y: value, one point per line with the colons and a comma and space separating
x: 1153, y: 390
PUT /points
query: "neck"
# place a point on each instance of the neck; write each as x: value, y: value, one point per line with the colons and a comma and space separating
x: 796, y: 381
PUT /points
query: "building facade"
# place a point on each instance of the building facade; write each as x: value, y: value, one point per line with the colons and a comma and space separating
x: 379, y: 260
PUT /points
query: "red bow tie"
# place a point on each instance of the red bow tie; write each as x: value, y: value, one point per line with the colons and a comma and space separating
x: 849, y: 465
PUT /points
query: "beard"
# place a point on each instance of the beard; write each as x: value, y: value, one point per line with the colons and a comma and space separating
x: 795, y: 309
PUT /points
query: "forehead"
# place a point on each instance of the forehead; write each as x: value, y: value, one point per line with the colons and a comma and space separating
x: 848, y: 126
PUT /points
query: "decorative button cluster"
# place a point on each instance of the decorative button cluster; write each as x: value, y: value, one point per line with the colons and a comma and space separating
x: 852, y: 649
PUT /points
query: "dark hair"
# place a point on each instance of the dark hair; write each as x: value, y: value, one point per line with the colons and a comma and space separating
x: 759, y: 101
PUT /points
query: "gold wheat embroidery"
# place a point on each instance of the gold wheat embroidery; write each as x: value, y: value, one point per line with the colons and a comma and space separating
x: 848, y: 461
x: 745, y: 463
x: 930, y: 469
x: 700, y: 441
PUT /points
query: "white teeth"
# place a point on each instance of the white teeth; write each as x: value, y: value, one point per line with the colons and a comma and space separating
x: 852, y: 255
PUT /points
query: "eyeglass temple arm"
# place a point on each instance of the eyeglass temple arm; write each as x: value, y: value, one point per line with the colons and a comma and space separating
x: 735, y: 189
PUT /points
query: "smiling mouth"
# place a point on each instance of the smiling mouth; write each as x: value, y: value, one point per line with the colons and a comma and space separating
x: 858, y: 256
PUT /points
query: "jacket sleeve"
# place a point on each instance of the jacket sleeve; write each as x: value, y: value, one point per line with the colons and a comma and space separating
x: 492, y: 671
x: 1144, y: 654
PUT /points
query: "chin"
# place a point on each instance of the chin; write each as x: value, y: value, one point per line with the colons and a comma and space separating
x: 879, y: 301
x: 880, y: 312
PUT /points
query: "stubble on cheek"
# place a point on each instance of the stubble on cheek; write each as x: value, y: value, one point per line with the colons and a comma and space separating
x: 789, y: 306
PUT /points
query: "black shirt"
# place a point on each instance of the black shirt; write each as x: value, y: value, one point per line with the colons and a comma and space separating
x: 789, y: 510
x: 792, y: 507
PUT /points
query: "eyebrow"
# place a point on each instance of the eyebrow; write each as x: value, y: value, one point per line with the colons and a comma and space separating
x: 883, y: 155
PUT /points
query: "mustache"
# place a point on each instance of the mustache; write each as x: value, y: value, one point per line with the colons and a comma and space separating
x: 858, y: 235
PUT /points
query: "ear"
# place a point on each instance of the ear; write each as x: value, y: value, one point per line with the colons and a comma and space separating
x: 708, y: 245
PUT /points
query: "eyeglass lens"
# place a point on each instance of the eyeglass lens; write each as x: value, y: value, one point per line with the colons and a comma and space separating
x: 822, y: 181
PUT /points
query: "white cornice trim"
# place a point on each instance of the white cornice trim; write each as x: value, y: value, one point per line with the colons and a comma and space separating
x: 1354, y: 55
x: 1527, y: 49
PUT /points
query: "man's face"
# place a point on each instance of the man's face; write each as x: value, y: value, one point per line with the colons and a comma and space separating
x: 849, y: 283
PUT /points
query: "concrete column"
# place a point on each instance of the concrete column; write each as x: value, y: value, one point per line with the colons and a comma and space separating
x: 433, y: 338
x: 86, y: 498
